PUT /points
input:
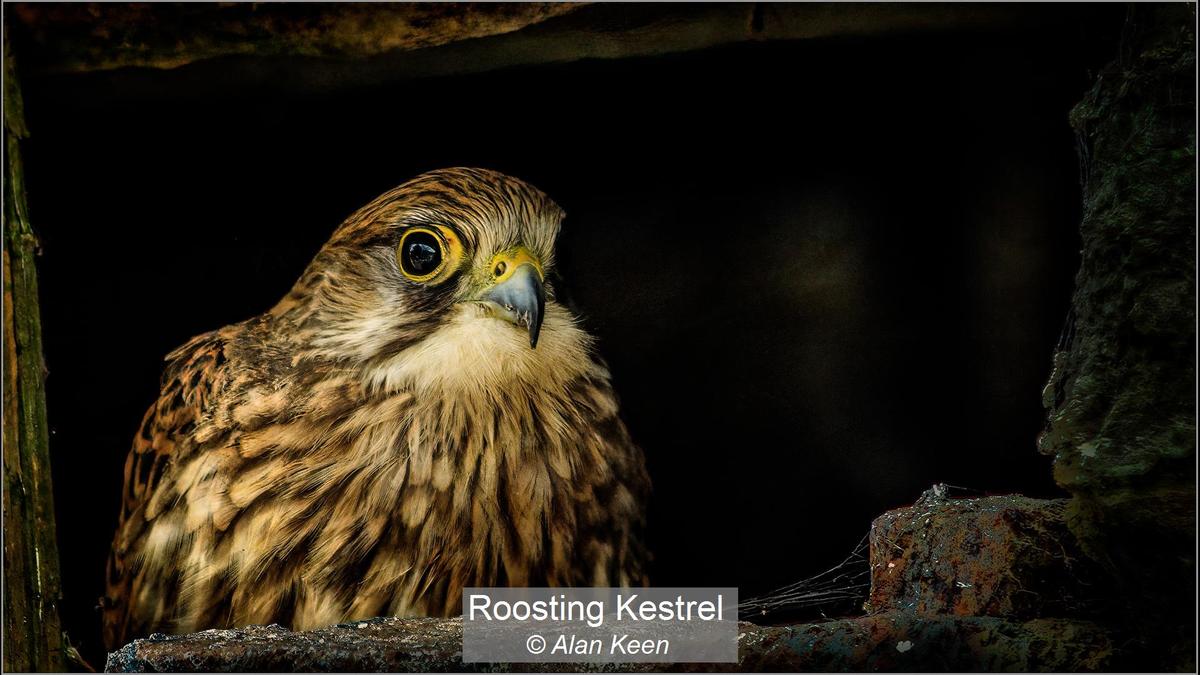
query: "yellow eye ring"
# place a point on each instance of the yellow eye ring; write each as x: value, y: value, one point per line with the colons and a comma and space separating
x: 425, y: 253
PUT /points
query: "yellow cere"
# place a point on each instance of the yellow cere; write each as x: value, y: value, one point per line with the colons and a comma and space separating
x: 505, y: 263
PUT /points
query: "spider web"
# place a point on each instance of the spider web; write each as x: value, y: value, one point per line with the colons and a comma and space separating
x: 839, y: 590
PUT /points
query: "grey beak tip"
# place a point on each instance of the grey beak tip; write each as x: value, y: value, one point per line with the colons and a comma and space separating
x: 534, y: 318
x: 524, y: 296
x: 535, y: 327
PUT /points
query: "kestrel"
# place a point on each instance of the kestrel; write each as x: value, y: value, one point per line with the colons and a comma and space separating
x: 419, y: 414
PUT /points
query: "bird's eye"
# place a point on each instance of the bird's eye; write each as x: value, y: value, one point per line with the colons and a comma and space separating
x: 425, y: 251
x: 420, y: 254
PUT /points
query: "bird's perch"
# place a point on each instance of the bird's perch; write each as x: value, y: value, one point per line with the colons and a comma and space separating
x: 887, y: 642
x: 980, y: 560
x: 32, y: 633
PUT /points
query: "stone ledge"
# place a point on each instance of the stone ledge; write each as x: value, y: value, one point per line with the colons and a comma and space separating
x: 898, y: 641
x: 960, y: 584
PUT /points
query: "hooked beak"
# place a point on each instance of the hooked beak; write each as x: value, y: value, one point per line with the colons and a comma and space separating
x: 520, y: 298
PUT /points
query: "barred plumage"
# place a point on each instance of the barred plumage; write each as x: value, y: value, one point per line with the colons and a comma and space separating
x: 372, y: 445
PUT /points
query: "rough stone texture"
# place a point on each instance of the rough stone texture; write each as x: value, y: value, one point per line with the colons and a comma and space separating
x: 376, y: 645
x: 1008, y: 556
x: 892, y: 641
x: 1121, y: 399
x: 907, y: 642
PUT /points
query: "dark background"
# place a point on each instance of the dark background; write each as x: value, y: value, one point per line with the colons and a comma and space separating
x: 826, y: 274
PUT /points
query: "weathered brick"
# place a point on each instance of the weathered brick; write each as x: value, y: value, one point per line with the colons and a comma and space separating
x: 1008, y: 556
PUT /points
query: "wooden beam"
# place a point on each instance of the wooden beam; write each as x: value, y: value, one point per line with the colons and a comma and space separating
x: 383, y: 41
x: 33, y: 639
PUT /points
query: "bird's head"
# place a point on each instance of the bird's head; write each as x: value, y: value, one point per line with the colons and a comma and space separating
x: 445, y: 276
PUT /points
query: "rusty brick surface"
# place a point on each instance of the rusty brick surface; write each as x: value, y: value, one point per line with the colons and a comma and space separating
x: 907, y: 642
x: 1007, y: 556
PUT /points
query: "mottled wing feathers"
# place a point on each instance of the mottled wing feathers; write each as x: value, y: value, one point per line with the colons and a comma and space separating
x: 322, y: 506
x: 190, y: 382
x: 612, y: 478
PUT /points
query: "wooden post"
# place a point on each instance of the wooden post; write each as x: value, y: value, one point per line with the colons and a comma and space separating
x: 33, y: 639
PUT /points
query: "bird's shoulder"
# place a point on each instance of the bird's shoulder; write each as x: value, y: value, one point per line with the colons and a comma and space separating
x: 214, y: 387
x: 191, y: 378
x: 194, y: 376
x: 228, y: 399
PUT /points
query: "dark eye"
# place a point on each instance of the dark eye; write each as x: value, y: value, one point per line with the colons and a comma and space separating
x: 420, y: 254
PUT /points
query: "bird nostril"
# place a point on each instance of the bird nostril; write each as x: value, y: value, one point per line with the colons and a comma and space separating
x: 500, y: 267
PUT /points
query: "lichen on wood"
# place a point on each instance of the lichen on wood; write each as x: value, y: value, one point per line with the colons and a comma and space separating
x: 33, y: 639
